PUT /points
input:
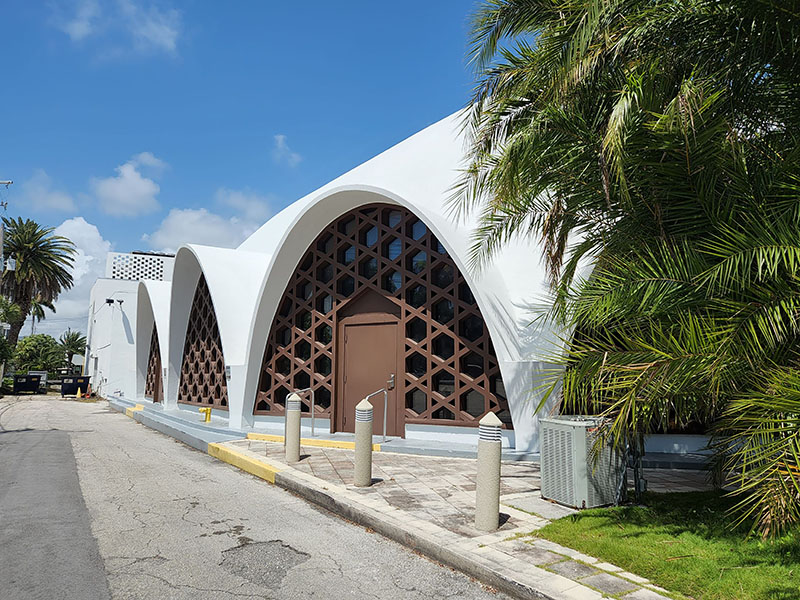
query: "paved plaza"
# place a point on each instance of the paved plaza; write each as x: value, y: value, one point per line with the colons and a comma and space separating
x: 430, y: 502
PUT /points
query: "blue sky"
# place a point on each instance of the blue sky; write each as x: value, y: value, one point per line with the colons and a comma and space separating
x: 137, y: 124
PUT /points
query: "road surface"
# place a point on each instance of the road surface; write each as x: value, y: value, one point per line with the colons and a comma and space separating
x: 95, y: 505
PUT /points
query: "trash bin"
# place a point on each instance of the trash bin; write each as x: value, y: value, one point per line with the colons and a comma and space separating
x: 26, y: 383
x: 70, y: 385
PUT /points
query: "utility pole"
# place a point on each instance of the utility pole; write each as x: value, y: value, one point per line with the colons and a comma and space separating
x: 4, y: 204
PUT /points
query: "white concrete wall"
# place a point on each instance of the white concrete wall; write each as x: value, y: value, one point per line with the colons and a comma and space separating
x: 111, y: 337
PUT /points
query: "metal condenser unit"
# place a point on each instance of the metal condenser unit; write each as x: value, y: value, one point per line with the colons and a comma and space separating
x: 570, y: 475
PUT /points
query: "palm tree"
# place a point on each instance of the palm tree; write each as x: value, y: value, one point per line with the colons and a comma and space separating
x: 656, y: 141
x: 73, y: 342
x: 43, y: 266
x: 37, y: 311
x: 9, y: 313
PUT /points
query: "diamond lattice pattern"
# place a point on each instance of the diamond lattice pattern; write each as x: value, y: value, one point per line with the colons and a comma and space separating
x: 451, y: 371
x: 203, y: 368
x: 153, y: 387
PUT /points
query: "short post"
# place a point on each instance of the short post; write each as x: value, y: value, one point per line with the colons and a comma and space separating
x: 292, y: 439
x: 363, y: 458
x: 206, y: 412
x: 487, y: 490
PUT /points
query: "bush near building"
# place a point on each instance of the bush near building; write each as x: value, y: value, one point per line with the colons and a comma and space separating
x: 38, y: 352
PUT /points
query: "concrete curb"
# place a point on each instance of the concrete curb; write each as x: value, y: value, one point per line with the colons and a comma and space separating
x: 261, y: 469
x: 471, y: 556
x: 312, y: 489
x: 268, y: 437
x: 425, y: 545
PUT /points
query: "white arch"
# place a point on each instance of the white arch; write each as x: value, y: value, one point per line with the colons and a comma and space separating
x: 246, y: 284
x: 153, y: 298
x: 233, y: 278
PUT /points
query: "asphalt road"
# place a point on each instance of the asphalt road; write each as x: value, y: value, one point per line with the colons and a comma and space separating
x: 95, y: 505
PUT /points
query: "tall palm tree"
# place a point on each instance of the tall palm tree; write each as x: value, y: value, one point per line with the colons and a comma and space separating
x: 9, y: 313
x: 43, y: 266
x: 658, y: 142
x: 73, y: 342
x: 37, y: 311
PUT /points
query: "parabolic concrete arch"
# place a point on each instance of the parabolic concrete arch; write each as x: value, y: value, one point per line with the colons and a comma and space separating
x: 153, y: 299
x: 245, y: 285
x: 233, y: 278
x: 506, y: 316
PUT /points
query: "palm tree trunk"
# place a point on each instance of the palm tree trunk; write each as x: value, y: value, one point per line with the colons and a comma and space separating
x: 13, y: 332
x: 25, y: 309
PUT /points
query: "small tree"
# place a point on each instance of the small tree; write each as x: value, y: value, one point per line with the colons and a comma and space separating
x: 73, y: 342
x: 38, y: 352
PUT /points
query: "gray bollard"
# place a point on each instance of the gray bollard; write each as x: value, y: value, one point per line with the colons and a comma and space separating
x: 363, y: 458
x: 487, y: 490
x: 292, y: 439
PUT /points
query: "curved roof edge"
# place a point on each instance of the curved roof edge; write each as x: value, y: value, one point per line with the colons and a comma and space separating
x: 158, y: 295
x: 234, y: 279
x: 419, y: 173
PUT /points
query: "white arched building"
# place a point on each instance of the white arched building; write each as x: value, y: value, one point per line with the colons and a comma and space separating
x: 364, y: 280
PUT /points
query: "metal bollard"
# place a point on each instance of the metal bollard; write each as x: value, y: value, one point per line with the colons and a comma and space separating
x: 363, y: 458
x: 487, y: 490
x: 292, y: 439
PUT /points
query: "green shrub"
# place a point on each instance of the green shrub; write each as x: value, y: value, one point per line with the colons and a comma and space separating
x: 38, y: 352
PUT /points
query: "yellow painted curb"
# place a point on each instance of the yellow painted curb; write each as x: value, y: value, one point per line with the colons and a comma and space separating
x: 266, y: 437
x: 137, y: 408
x: 243, y: 462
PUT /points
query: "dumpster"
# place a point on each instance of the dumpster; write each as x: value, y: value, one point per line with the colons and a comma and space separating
x: 70, y: 385
x: 26, y: 383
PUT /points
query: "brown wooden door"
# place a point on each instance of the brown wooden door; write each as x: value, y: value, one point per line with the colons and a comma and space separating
x: 368, y: 360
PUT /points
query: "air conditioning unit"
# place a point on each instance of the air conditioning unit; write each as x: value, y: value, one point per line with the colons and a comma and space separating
x: 570, y: 475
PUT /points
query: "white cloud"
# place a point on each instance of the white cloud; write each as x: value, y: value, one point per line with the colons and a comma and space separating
x: 83, y: 22
x: 90, y: 263
x: 249, y: 205
x: 151, y: 28
x: 39, y: 194
x: 129, y: 193
x: 281, y: 153
x: 198, y: 226
x: 147, y: 159
x: 146, y: 27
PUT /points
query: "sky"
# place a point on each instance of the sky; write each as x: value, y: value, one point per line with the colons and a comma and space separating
x: 142, y: 125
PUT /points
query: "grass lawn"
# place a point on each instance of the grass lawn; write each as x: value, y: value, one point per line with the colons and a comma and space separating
x: 681, y: 542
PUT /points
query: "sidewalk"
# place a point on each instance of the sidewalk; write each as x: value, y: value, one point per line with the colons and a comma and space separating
x: 427, y: 503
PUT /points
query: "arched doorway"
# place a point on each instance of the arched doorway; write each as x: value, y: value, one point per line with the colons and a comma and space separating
x: 446, y: 369
x: 202, y: 368
x: 369, y: 336
x: 153, y: 384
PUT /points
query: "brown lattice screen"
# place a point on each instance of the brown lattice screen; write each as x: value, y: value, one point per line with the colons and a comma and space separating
x: 153, y: 387
x: 451, y: 371
x: 203, y: 368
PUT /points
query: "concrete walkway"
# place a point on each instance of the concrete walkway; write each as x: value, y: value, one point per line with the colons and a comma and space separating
x: 427, y: 503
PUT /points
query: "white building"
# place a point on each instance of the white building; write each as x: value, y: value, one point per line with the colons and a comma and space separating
x: 363, y: 281
x: 110, y: 339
